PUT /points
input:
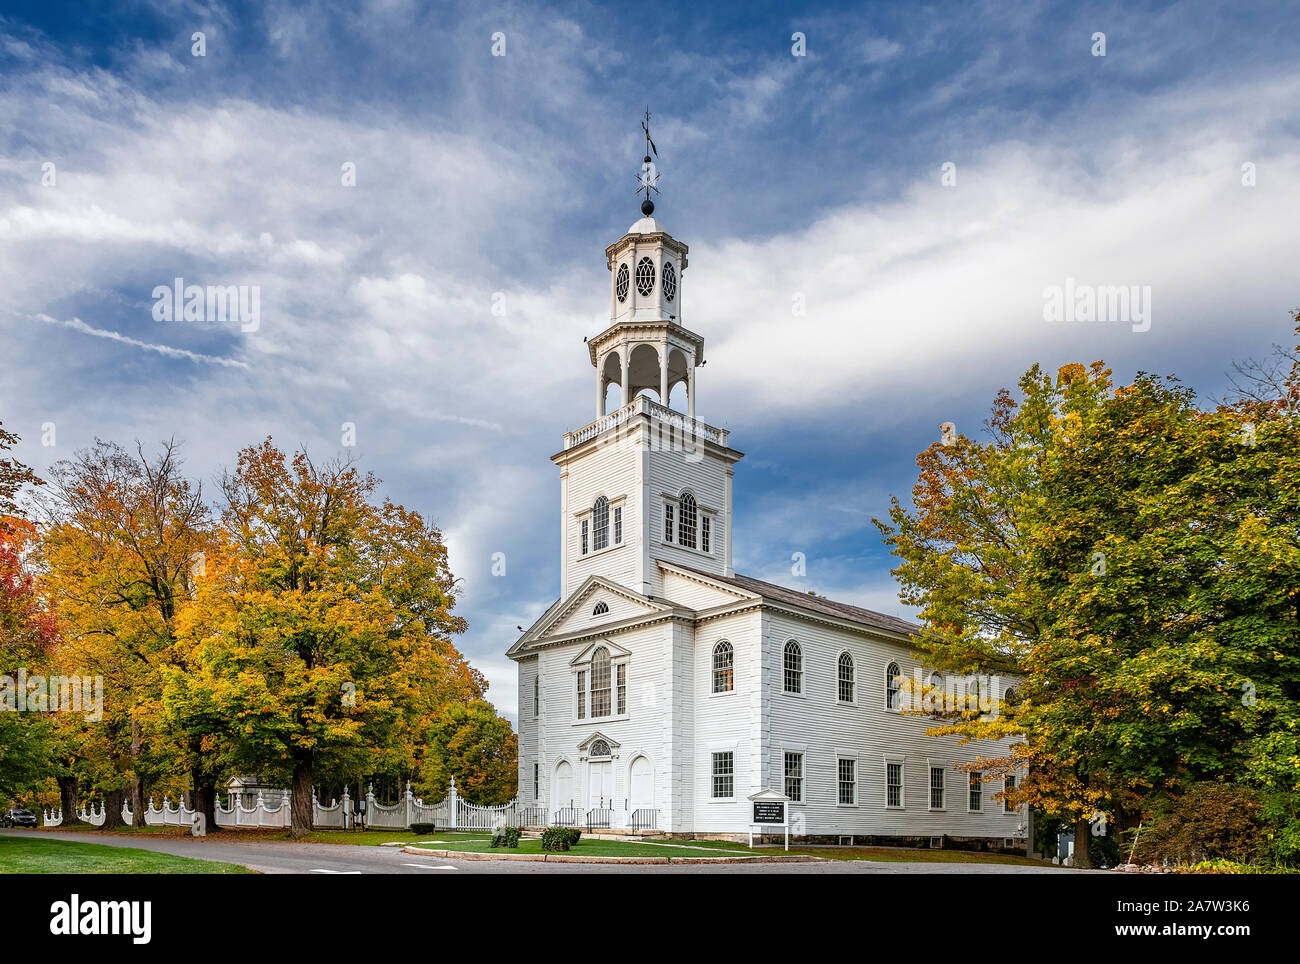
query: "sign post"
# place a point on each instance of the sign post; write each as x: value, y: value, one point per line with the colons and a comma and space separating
x: 769, y: 809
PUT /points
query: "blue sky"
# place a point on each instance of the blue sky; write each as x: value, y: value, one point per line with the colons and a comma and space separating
x: 815, y: 176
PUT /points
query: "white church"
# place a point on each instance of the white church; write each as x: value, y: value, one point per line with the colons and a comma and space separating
x: 662, y: 689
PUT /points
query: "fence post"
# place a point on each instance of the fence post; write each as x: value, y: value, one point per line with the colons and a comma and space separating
x: 410, y: 805
x: 454, y: 800
x: 347, y: 807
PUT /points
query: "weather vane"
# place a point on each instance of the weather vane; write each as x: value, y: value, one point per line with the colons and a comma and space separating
x: 649, y: 176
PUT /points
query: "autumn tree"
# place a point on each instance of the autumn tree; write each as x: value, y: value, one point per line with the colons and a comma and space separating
x: 321, y: 631
x: 28, y: 635
x: 1131, y: 560
x: 28, y: 631
x: 125, y: 531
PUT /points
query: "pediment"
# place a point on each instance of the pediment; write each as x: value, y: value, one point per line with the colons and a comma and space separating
x: 597, y: 737
x: 578, y: 611
x: 615, y: 651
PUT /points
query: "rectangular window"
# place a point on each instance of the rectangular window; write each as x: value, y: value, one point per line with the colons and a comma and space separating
x: 582, y: 695
x: 600, y: 685
x: 794, y: 776
x: 936, y: 788
x: 622, y: 688
x: 668, y: 522
x: 723, y: 776
x: 618, y: 525
x: 893, y: 784
x: 848, y: 782
x: 537, y: 781
x: 1008, y: 784
x: 686, y: 521
x: 584, y: 537
x: 976, y: 791
x: 705, y: 526
x: 537, y: 696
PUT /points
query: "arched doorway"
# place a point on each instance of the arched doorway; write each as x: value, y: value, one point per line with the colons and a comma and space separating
x: 641, y: 785
x: 563, y: 785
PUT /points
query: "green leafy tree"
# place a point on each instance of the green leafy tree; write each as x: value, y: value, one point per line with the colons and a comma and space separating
x: 1132, y: 561
x: 471, y: 742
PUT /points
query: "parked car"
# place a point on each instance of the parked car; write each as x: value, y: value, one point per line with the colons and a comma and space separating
x: 19, y: 818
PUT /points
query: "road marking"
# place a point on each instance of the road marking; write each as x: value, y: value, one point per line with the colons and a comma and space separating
x: 322, y: 870
x: 429, y: 867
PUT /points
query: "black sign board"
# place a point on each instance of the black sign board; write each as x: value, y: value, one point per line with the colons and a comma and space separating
x: 768, y: 811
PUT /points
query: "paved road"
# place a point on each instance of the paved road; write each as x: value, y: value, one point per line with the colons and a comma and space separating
x: 285, y: 857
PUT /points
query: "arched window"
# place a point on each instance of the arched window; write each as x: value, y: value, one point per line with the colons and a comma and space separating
x: 893, y: 687
x: 602, y: 607
x: 600, y: 682
x: 600, y: 523
x: 686, y: 520
x: 846, y: 678
x: 793, y: 667
x: 723, y: 675
x: 599, y: 748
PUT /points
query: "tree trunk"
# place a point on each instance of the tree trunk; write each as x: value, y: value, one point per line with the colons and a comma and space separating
x: 1082, y: 834
x: 112, y: 810
x: 137, y: 788
x: 301, y: 800
x: 205, y: 799
x: 68, y: 800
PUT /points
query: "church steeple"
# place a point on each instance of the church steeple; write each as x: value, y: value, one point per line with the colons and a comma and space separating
x: 646, y: 347
x: 645, y: 482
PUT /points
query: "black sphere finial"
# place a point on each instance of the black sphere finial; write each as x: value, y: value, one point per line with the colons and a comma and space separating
x: 647, y: 207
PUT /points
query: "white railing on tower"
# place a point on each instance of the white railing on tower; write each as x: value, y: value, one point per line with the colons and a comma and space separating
x: 641, y: 405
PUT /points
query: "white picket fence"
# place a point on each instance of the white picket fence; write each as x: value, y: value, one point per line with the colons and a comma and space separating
x: 450, y: 813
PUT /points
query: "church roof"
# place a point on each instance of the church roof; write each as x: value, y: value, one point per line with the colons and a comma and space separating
x: 818, y: 604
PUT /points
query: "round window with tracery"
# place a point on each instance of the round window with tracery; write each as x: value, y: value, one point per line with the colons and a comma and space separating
x: 645, y: 276
x: 620, y: 283
x: 670, y: 281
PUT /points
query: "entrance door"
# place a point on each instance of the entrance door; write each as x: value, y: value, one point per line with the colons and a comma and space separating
x: 642, y: 791
x: 600, y: 784
x: 563, y: 786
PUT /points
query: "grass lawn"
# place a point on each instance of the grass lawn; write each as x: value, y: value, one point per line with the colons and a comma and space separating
x: 48, y: 855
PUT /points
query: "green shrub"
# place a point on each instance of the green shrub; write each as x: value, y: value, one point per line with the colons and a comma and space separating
x: 423, y: 828
x: 556, y: 839
x: 506, y: 837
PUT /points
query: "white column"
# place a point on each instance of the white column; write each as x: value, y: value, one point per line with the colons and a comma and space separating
x: 663, y: 374
x: 625, y: 350
x: 600, y: 393
x: 690, y: 388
